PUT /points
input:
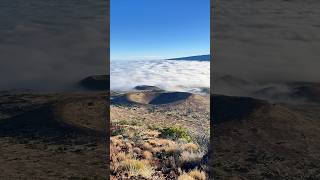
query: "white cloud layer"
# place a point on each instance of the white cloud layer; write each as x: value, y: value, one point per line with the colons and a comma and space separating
x: 166, y: 74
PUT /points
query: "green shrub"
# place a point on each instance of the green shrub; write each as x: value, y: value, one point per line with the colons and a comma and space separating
x: 175, y: 132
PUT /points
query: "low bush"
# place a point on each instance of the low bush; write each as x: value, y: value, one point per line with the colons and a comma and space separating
x: 175, y: 133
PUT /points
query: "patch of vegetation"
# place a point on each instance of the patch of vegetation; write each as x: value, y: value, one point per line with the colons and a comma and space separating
x: 154, y: 127
x: 175, y: 133
x: 131, y: 122
x: 193, y: 175
x: 136, y: 167
x: 190, y: 160
x: 118, y: 131
x: 148, y: 156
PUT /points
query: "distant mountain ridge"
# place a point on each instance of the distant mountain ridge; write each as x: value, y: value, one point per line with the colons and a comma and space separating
x: 194, y: 58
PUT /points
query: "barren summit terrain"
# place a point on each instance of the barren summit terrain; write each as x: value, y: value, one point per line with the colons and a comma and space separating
x: 53, y: 136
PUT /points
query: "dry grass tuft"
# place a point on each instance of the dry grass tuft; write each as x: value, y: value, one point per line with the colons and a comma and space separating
x: 138, y: 156
x: 185, y: 177
x: 146, y: 146
x: 115, y: 141
x: 191, y: 147
x: 171, y: 149
x: 128, y: 145
x: 137, y: 168
x: 153, y: 134
x: 165, y: 142
x: 197, y: 174
x: 156, y: 149
x: 147, y: 155
x: 190, y: 160
x: 121, y: 156
x: 153, y: 142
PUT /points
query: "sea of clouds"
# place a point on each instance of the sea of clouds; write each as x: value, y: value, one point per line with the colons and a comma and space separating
x: 170, y: 75
x: 51, y: 46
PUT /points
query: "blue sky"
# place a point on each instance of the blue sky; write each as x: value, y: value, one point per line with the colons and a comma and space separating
x: 157, y: 29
